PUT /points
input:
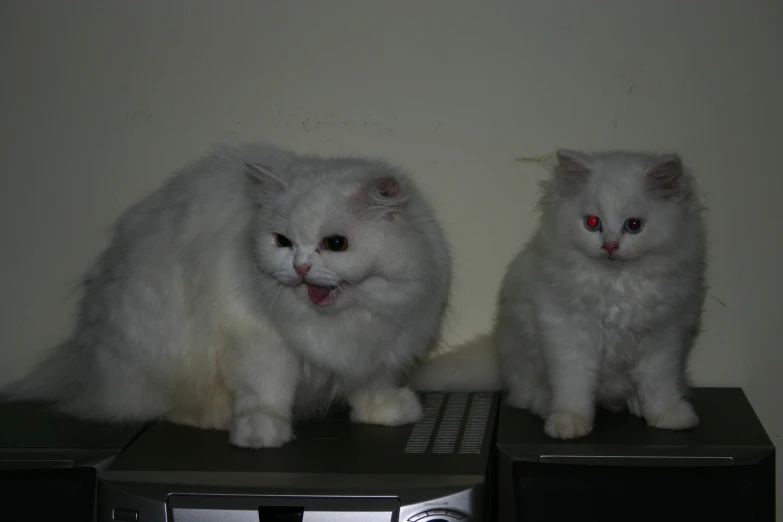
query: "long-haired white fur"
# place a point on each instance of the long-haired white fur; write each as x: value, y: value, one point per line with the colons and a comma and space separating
x: 256, y: 286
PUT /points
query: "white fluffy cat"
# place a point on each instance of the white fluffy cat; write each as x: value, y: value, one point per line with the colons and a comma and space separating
x: 254, y: 287
x: 603, y: 303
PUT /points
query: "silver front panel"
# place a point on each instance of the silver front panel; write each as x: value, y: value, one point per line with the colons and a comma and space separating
x: 214, y: 515
x: 151, y: 503
x: 465, y: 506
x: 230, y: 508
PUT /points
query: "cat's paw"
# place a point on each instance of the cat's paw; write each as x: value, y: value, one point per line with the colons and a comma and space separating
x: 260, y: 430
x: 386, y: 406
x: 680, y: 416
x: 634, y: 406
x: 566, y: 425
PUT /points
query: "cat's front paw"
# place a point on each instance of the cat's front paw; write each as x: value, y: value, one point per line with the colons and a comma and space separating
x: 634, y: 406
x: 681, y: 416
x: 386, y: 406
x: 260, y: 430
x: 566, y: 425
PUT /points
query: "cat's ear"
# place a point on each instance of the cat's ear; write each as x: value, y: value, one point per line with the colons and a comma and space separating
x: 573, y: 162
x: 574, y: 166
x: 266, y: 176
x: 382, y: 196
x: 386, y: 188
x: 665, y: 174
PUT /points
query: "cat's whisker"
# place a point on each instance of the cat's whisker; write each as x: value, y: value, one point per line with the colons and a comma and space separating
x: 396, y: 318
x: 274, y: 299
x: 267, y: 284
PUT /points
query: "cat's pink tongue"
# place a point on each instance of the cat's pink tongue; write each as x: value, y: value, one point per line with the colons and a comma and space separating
x: 322, y: 295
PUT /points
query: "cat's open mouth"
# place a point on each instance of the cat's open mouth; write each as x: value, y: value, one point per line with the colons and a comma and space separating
x: 323, y: 295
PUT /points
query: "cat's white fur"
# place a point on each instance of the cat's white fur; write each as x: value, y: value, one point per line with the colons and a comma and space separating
x: 195, y: 315
x: 575, y: 328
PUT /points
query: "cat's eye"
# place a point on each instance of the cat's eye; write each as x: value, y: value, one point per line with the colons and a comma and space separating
x: 336, y: 243
x: 633, y: 225
x: 282, y: 241
x: 592, y: 223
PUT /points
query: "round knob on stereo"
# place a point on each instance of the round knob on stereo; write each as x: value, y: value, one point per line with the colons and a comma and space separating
x: 438, y: 515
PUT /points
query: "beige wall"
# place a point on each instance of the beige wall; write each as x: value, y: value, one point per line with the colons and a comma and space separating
x: 99, y: 101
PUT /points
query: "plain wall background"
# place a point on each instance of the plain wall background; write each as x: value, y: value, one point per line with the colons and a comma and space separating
x: 100, y: 101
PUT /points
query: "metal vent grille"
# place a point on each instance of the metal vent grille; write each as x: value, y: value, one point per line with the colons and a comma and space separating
x: 476, y: 426
x: 420, y: 437
x: 451, y: 421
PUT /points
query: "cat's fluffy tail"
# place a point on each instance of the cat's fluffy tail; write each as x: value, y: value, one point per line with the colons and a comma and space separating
x: 470, y: 367
x: 48, y: 381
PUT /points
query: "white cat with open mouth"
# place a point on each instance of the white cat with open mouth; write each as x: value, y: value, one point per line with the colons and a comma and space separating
x: 255, y: 287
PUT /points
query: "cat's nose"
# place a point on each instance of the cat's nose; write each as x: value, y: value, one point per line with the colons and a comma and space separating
x: 302, y: 270
x: 611, y: 246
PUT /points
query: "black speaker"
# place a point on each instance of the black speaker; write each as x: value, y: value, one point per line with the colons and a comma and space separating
x: 721, y: 471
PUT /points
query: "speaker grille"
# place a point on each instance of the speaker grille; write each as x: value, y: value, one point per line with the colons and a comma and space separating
x: 453, y: 422
x: 420, y: 437
x: 476, y: 427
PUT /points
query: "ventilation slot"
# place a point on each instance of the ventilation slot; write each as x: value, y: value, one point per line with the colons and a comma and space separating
x: 422, y: 431
x: 476, y: 426
x: 450, y: 423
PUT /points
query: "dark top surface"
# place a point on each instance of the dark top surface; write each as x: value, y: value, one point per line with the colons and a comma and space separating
x: 330, y: 445
x: 727, y: 420
x: 28, y: 427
